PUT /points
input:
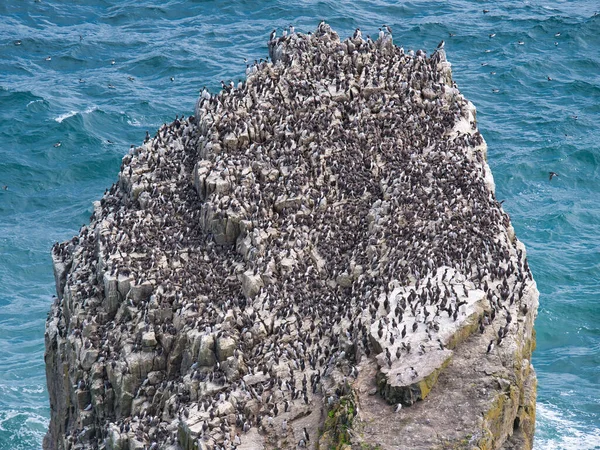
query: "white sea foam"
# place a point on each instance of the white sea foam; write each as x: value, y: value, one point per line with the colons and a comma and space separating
x: 25, y: 428
x: 36, y: 419
x: 5, y: 416
x: 35, y: 390
x: 64, y: 116
x: 130, y: 120
x: 562, y: 433
x: 30, y: 417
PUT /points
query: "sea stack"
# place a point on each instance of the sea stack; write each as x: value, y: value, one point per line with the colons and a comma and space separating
x: 315, y: 259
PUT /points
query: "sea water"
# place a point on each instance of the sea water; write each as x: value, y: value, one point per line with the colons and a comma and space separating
x: 82, y: 81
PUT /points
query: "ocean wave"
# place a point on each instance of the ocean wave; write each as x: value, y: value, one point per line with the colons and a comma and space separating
x: 35, y: 101
x: 556, y: 431
x: 72, y: 113
x: 21, y: 430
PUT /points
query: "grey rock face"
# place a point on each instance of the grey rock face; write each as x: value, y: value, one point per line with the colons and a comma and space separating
x: 327, y: 231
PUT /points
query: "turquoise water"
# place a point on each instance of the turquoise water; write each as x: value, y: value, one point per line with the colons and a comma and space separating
x: 165, y: 51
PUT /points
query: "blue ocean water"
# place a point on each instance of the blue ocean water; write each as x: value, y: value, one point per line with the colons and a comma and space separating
x: 81, y: 81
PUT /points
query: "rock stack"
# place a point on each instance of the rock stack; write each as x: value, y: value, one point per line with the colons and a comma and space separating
x: 299, y: 264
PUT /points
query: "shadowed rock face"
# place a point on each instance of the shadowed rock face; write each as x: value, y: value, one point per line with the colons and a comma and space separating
x: 307, y: 250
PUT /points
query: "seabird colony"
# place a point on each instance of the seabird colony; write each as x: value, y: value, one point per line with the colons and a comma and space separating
x: 332, y: 209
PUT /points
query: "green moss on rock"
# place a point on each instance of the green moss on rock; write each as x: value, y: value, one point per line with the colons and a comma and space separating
x: 338, y: 424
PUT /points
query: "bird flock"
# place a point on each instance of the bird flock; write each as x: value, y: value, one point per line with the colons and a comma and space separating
x: 325, y: 211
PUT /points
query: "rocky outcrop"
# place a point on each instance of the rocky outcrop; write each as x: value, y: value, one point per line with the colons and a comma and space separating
x: 315, y: 259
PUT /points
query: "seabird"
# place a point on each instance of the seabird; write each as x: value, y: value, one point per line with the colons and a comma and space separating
x: 357, y: 34
x: 58, y: 144
x: 305, y: 435
x: 441, y: 45
x: 273, y: 34
x: 381, y: 34
x: 415, y: 373
x: 492, y: 35
x: 552, y: 174
x: 485, y: 11
x: 490, y: 346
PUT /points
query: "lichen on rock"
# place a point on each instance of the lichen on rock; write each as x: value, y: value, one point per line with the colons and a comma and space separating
x: 323, y: 239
